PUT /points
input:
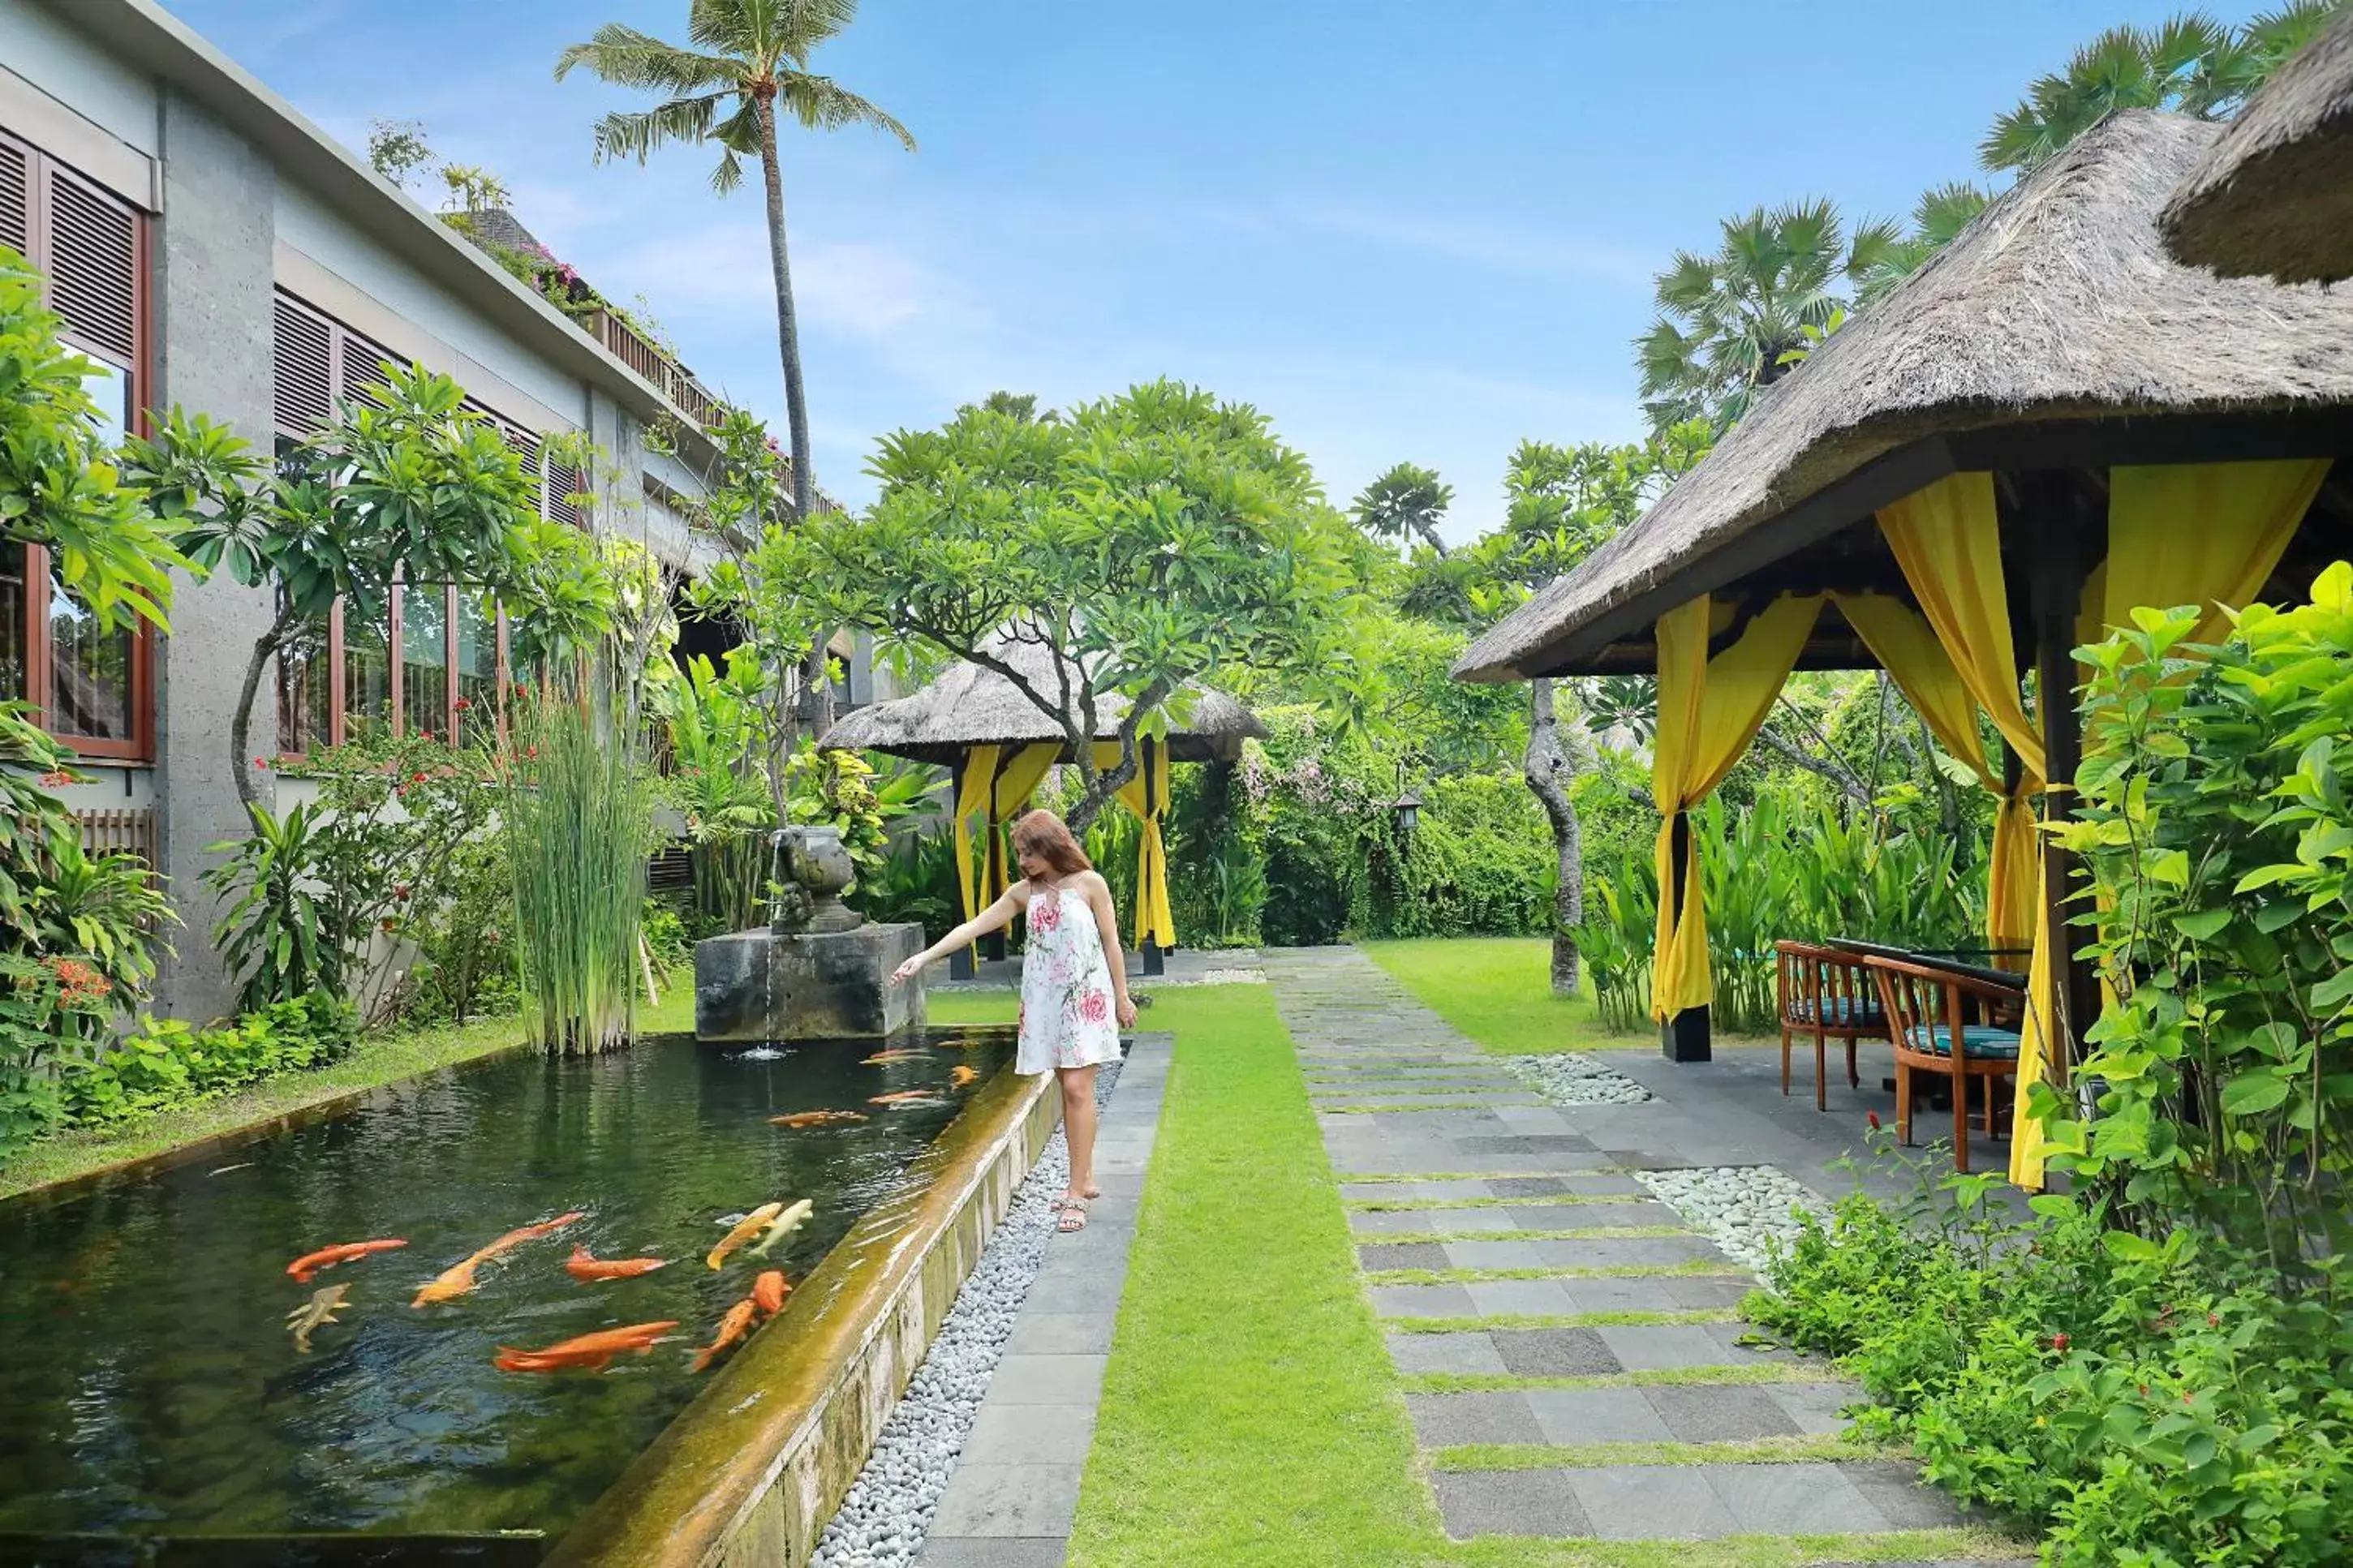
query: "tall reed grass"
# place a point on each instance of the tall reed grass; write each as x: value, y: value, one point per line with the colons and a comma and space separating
x: 577, y: 821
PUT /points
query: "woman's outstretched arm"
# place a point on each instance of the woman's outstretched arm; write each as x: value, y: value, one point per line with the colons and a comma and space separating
x: 996, y: 916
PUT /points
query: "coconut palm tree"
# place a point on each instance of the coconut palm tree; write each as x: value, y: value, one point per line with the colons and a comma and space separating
x: 746, y: 57
x: 1725, y: 320
x: 1405, y: 504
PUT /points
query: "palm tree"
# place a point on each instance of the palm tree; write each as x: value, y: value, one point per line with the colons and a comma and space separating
x: 747, y: 57
x: 1405, y: 504
x: 1725, y: 320
x: 1939, y: 216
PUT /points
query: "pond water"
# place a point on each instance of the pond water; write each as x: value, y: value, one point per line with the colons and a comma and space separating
x: 148, y: 1382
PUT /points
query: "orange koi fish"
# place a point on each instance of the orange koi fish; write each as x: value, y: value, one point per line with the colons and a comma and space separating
x: 452, y: 1283
x: 817, y: 1118
x: 592, y: 1351
x: 960, y: 1076
x: 768, y: 1293
x: 733, y: 1327
x: 586, y: 1269
x: 903, y: 1054
x: 915, y: 1097
x: 302, y: 1267
x: 750, y: 1226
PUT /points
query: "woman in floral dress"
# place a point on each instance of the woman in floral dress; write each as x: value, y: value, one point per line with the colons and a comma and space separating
x: 1074, y: 998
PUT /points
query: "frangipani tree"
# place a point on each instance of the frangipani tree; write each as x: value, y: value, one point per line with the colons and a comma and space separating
x: 1146, y: 542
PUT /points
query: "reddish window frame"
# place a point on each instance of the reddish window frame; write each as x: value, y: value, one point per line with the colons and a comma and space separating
x: 40, y: 673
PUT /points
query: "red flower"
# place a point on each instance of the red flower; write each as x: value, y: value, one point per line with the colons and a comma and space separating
x: 424, y: 734
x: 417, y: 778
x: 54, y: 778
x: 461, y: 705
x: 401, y: 891
x: 261, y: 762
x: 2060, y: 1342
x: 387, y: 927
x: 1873, y: 1116
x: 1094, y: 1007
x: 2214, y: 1321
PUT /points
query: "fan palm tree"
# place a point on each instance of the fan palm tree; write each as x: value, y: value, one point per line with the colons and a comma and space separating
x: 1405, y: 504
x: 1939, y: 216
x: 746, y: 57
x: 1725, y: 320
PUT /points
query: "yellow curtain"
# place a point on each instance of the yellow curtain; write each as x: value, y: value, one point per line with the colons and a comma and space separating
x: 1709, y: 710
x: 979, y: 771
x: 1146, y: 798
x: 2206, y: 534
x: 1900, y: 639
x: 1015, y: 785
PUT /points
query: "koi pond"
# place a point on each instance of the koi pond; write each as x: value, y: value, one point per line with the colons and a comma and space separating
x: 153, y: 1381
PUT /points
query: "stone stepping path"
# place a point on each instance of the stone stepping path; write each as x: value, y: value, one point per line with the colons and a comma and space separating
x: 1566, y: 1344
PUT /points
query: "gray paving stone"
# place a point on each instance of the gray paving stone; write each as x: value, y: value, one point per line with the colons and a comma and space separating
x: 1508, y: 1502
x: 1415, y: 1222
x: 1693, y: 1292
x: 1651, y: 1502
x: 1423, y: 1300
x: 1589, y: 1217
x: 1403, y: 1255
x: 1653, y: 1346
x: 1702, y: 1413
x: 1445, y: 1352
x: 1553, y: 1352
x: 1006, y: 1434
x: 1618, y: 1251
x: 1047, y: 1380
x: 1062, y: 1333
x: 1077, y: 1290
x: 1494, y: 1297
x: 1814, y: 1407
x: 1442, y: 1420
x: 984, y: 1552
x: 1637, y: 1293
x: 1500, y: 1253
x: 1008, y: 1500
x: 1529, y: 1187
x: 1895, y: 1489
x: 1539, y: 1144
x: 1595, y: 1416
x: 1792, y: 1500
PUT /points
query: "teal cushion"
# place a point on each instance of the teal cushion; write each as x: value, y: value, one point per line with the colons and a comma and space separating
x: 1838, y: 1010
x: 1980, y: 1039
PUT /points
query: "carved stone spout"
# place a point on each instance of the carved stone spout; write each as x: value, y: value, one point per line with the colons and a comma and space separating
x: 811, y: 868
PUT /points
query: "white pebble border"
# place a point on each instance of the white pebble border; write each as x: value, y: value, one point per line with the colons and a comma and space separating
x: 886, y: 1515
x: 1568, y: 1077
x: 1741, y: 1208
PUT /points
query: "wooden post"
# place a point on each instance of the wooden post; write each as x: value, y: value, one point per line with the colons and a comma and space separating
x: 1685, y: 1036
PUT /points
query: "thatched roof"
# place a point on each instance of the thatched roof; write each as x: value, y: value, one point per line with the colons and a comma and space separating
x: 2275, y: 193
x: 2058, y: 302
x: 971, y: 705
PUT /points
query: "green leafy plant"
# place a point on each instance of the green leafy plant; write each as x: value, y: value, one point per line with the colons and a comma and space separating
x: 165, y: 1063
x: 53, y: 1014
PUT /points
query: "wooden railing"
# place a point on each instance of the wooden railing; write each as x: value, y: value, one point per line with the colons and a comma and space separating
x: 131, y: 831
x: 685, y: 393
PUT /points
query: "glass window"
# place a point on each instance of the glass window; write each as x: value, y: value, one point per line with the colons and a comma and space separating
x: 478, y: 666
x: 109, y: 386
x: 303, y: 696
x: 89, y: 672
x: 12, y: 651
x: 425, y: 660
x: 367, y: 670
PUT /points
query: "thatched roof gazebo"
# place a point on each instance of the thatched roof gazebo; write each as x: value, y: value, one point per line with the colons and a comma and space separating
x: 1001, y: 745
x: 2050, y: 422
x: 2275, y: 195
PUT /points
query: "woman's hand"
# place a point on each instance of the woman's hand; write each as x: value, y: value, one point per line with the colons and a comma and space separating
x: 907, y: 971
x: 1127, y: 1012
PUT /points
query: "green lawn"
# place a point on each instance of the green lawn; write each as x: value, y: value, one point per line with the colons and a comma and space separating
x: 379, y: 1058
x: 1498, y: 991
x: 1251, y: 1414
x: 973, y: 1006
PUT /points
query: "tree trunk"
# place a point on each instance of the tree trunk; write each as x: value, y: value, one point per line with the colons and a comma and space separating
x: 788, y: 327
x: 1549, y: 772
x: 241, y: 725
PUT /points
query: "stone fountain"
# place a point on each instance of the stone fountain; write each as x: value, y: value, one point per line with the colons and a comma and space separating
x: 818, y: 971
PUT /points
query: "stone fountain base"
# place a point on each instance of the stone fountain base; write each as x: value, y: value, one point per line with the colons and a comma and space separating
x: 806, y: 985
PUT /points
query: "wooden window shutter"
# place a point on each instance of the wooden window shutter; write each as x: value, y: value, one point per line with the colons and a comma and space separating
x: 15, y: 214
x: 305, y: 360
x: 94, y: 265
x: 363, y: 366
x: 563, y: 482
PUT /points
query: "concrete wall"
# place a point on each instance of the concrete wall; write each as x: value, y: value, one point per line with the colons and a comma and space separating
x: 215, y: 340
x: 62, y: 62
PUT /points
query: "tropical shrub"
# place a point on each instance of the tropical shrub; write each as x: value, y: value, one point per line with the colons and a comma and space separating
x: 1615, y: 940
x: 53, y: 1014
x: 1479, y: 863
x: 2217, y: 826
x: 720, y: 744
x: 913, y: 881
x: 164, y: 1064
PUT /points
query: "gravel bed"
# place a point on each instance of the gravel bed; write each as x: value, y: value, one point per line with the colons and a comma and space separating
x: 1742, y: 1208
x: 888, y: 1511
x: 1568, y: 1077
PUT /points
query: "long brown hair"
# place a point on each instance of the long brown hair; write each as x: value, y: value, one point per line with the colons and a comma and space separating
x: 1048, y: 836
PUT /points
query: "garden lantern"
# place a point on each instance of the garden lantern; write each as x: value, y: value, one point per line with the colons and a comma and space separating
x: 1406, y: 812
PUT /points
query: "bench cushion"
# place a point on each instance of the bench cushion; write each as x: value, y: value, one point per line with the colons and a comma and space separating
x: 1980, y: 1039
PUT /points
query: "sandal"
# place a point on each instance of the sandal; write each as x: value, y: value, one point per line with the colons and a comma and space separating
x: 1074, y: 1216
x: 1056, y: 1206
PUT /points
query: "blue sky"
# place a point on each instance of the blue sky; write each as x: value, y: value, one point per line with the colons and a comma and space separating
x: 1404, y: 231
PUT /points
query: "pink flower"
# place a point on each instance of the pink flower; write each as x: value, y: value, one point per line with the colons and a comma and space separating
x: 1094, y: 1007
x: 56, y: 778
x: 1045, y: 914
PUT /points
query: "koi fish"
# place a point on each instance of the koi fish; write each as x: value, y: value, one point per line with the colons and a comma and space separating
x: 768, y: 1293
x: 586, y: 1269
x: 960, y: 1076
x: 817, y: 1118
x: 592, y: 1351
x: 782, y: 1225
x: 908, y: 1097
x: 733, y: 1327
x: 457, y: 1281
x: 745, y: 1229
x: 904, y: 1054
x: 322, y: 1308
x: 302, y: 1267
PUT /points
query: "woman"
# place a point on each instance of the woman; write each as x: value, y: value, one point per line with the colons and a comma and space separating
x: 1074, y: 997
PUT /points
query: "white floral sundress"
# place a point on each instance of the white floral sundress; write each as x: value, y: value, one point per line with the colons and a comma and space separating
x: 1067, y: 1018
